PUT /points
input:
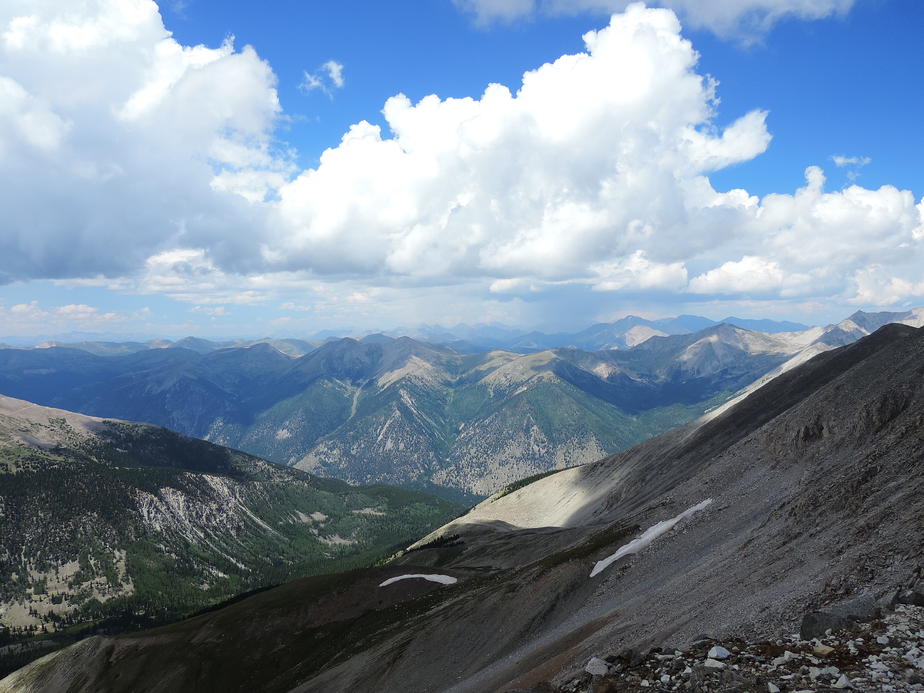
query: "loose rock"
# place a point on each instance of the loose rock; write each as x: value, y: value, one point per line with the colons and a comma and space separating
x: 886, y: 654
x: 597, y: 667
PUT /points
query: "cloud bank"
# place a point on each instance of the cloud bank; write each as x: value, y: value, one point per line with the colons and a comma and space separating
x: 115, y: 140
x: 126, y: 154
x: 740, y: 18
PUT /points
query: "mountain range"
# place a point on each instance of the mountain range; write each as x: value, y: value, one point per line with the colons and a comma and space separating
x: 807, y: 492
x: 422, y: 415
x: 623, y: 333
x: 404, y: 412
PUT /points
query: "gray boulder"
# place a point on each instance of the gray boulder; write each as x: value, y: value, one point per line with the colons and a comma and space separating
x: 914, y: 597
x: 841, y: 616
x: 597, y: 667
x: 863, y: 609
x: 913, y: 592
x: 815, y: 624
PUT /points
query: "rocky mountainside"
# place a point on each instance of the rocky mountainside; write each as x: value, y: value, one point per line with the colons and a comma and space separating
x: 404, y: 412
x: 809, y: 492
x: 122, y: 523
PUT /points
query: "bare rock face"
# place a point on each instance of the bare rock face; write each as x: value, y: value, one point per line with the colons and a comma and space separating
x: 806, y: 494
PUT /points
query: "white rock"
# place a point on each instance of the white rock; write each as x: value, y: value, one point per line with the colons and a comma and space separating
x: 842, y: 682
x: 714, y: 664
x: 719, y: 652
x: 883, y: 640
x: 772, y: 688
x: 597, y: 667
x: 787, y: 657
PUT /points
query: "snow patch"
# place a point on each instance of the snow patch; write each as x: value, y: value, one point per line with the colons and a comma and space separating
x: 442, y: 579
x: 648, y: 536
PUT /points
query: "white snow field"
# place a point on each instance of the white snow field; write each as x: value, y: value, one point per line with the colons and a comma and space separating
x: 442, y: 579
x: 648, y: 536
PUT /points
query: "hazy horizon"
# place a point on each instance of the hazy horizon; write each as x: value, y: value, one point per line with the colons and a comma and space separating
x: 419, y: 331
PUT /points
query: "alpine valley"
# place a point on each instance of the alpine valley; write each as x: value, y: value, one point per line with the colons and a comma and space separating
x: 108, y: 526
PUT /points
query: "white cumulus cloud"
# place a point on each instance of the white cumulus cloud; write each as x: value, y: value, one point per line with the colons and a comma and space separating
x: 127, y: 154
x: 598, y: 155
x: 112, y: 133
x: 841, y: 160
x: 33, y: 318
x: 326, y: 78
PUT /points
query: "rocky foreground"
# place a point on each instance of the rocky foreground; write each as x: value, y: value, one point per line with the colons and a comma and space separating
x: 872, y: 647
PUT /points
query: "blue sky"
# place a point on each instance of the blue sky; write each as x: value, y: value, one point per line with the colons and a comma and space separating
x: 151, y: 232
x: 839, y: 85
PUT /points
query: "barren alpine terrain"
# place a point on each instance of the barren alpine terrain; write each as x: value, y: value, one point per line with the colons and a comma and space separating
x: 806, y: 493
